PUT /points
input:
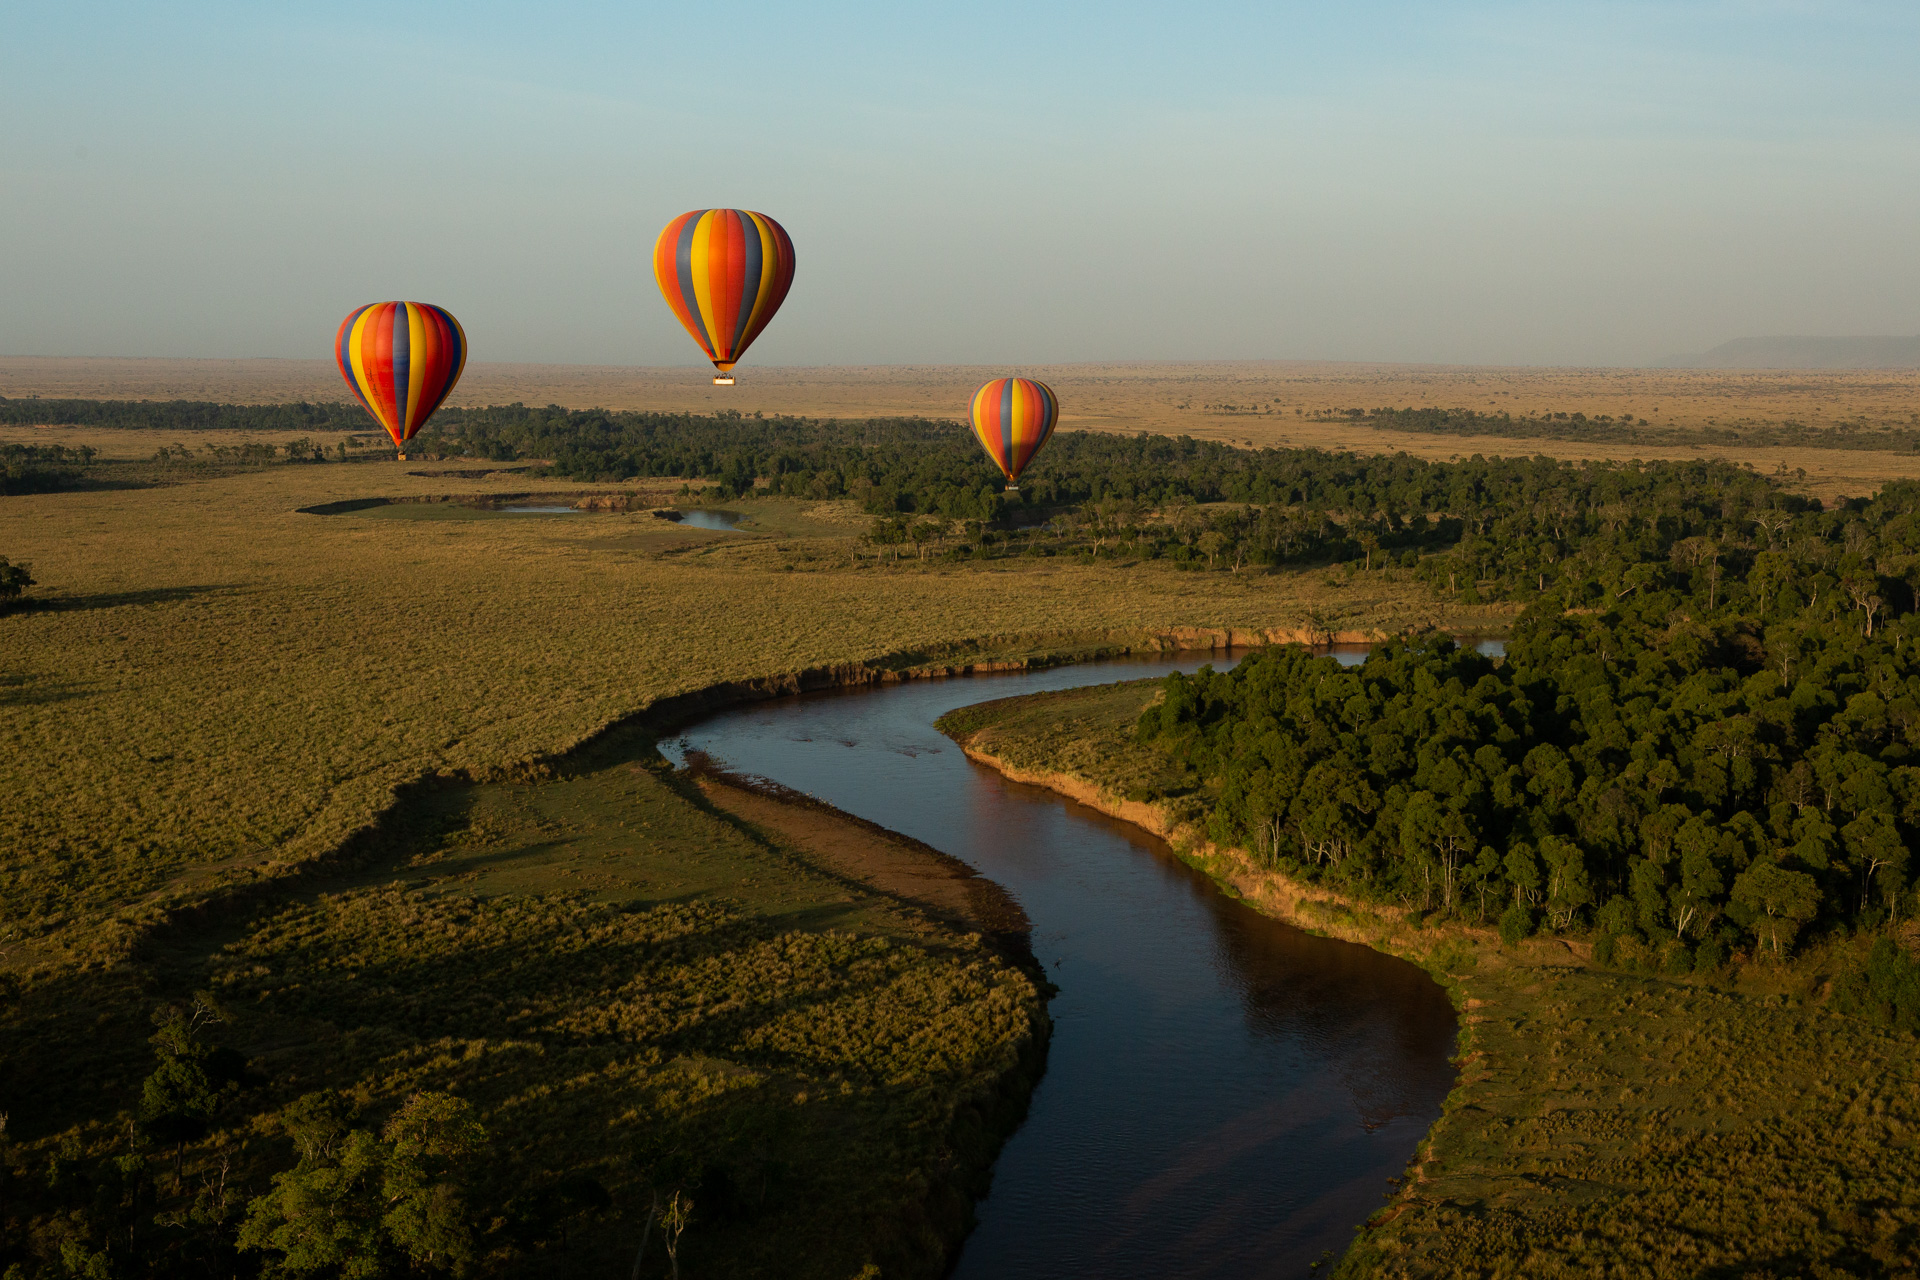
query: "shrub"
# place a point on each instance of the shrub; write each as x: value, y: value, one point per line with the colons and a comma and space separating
x: 1516, y: 924
x: 14, y: 580
x: 1885, y: 991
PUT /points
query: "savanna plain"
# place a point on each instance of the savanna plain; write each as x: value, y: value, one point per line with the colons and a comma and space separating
x: 351, y: 924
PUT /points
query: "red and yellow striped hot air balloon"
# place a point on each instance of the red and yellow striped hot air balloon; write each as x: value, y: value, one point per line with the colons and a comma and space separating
x: 401, y: 359
x: 724, y: 272
x: 1013, y: 418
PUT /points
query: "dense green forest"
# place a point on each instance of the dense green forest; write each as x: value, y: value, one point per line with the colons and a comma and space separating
x: 1703, y: 736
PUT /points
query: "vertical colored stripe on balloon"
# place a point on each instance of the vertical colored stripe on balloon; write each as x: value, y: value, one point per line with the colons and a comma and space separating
x: 729, y: 280
x: 1049, y: 418
x: 430, y: 355
x: 343, y: 355
x: 763, y: 268
x: 459, y: 356
x: 981, y: 413
x: 1007, y: 428
x: 702, y: 262
x: 401, y: 356
x: 753, y: 280
x: 381, y: 363
x: 775, y: 279
x: 683, y: 269
x: 370, y: 364
x: 667, y: 258
x: 442, y: 357
x: 421, y: 350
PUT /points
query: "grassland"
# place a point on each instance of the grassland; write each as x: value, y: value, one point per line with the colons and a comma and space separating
x: 1263, y: 403
x: 1607, y: 1122
x: 212, y: 688
x: 351, y: 774
x: 340, y: 772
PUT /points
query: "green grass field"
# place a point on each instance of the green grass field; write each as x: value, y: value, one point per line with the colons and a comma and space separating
x: 329, y: 769
x: 1607, y: 1122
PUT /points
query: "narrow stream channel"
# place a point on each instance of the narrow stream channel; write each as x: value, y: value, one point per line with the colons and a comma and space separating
x: 1225, y: 1095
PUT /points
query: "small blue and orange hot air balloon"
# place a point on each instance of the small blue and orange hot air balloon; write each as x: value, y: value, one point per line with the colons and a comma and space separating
x: 1013, y: 418
x: 724, y: 272
x: 401, y: 359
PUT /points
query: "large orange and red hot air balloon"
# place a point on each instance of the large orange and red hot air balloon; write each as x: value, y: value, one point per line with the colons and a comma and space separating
x: 401, y: 359
x: 724, y: 272
x: 1013, y: 418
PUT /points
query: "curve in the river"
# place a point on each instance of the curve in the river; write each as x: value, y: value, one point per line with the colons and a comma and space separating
x: 1225, y: 1095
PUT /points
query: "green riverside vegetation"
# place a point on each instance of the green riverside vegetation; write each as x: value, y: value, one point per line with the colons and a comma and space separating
x: 1611, y: 1119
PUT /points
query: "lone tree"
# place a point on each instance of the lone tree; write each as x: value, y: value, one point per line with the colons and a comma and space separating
x: 14, y: 579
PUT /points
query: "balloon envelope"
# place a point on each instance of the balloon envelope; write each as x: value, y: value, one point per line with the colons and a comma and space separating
x: 724, y: 272
x: 1012, y: 417
x: 401, y: 359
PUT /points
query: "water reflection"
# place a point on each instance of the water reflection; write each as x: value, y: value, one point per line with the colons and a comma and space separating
x: 1225, y: 1095
x: 700, y: 518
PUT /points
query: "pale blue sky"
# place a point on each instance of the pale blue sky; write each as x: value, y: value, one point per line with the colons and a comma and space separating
x: 989, y: 183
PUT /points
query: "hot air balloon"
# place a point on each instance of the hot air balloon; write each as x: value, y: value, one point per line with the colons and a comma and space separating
x: 401, y: 359
x: 1013, y: 418
x: 724, y: 272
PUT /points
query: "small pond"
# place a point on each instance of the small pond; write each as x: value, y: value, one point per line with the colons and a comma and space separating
x: 705, y: 518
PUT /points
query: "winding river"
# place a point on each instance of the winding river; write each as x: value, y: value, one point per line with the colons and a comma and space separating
x: 1225, y: 1095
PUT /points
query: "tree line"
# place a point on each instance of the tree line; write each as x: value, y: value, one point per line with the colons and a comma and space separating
x: 42, y: 468
x: 183, y: 415
x: 1483, y: 528
x: 1606, y: 429
x: 1704, y: 736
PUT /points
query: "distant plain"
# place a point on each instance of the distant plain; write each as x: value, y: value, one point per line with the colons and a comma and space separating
x: 1265, y: 403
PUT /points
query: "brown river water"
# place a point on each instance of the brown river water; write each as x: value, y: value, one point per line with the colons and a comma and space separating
x: 1225, y: 1095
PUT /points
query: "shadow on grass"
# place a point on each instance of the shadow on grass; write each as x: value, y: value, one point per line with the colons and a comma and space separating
x: 86, y: 484
x: 116, y: 599
x: 73, y: 1048
x: 22, y: 689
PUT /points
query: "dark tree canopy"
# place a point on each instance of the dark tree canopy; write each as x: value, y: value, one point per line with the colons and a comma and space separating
x: 1705, y: 732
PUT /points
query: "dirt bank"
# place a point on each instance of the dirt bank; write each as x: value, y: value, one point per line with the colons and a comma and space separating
x: 899, y: 866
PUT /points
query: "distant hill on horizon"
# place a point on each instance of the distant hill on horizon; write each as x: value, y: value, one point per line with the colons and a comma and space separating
x: 1803, y: 353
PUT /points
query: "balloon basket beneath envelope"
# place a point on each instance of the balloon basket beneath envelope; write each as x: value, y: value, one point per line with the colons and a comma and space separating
x: 723, y: 380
